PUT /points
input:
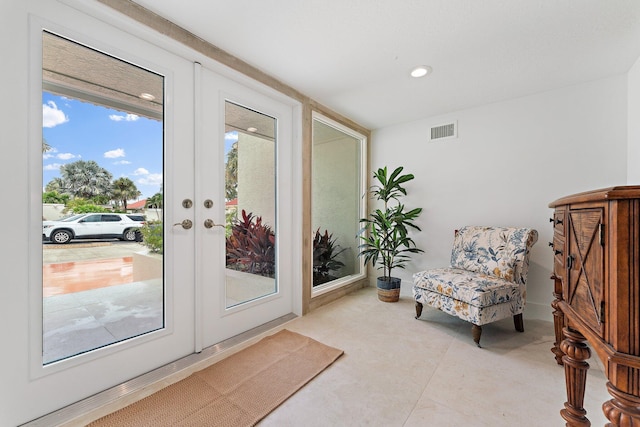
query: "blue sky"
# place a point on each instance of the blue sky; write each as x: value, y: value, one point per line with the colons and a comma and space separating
x: 124, y: 144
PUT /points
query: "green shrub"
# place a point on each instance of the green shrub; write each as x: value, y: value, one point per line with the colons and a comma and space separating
x: 55, y: 197
x: 152, y: 233
x: 80, y: 206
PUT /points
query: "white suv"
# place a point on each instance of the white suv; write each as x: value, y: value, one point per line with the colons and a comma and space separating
x: 94, y: 226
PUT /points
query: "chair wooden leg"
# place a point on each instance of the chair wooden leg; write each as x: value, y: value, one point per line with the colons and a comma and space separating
x: 476, y: 331
x: 518, y: 322
x: 418, y: 309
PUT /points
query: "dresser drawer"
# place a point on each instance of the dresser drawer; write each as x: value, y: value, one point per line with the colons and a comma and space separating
x: 559, y: 255
x: 558, y: 221
x: 558, y: 245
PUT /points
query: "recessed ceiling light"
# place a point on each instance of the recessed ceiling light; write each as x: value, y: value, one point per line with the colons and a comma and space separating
x: 147, y: 96
x: 421, y: 71
x: 252, y: 129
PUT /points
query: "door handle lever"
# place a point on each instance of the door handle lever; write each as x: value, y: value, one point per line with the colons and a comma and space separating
x: 186, y: 224
x: 208, y: 223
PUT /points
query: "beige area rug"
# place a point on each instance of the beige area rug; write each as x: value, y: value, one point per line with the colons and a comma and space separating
x: 237, y: 391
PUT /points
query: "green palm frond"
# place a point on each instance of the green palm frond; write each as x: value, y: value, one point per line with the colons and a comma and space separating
x: 384, y: 234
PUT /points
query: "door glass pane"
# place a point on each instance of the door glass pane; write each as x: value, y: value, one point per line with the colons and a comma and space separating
x: 102, y: 147
x: 337, y: 188
x: 250, y: 196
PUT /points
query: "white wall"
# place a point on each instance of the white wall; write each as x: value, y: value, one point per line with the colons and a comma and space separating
x: 633, y: 114
x: 52, y: 211
x: 256, y: 178
x: 510, y: 160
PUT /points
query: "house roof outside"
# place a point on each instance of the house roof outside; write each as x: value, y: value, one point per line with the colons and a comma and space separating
x: 140, y: 204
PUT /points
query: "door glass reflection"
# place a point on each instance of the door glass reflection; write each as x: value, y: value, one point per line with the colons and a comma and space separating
x: 102, y: 249
x: 250, y: 196
x: 337, y: 203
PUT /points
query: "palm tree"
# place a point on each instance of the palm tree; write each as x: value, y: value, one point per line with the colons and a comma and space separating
x: 124, y: 189
x: 85, y: 179
x: 231, y: 173
x: 45, y: 145
x: 57, y: 185
x: 155, y: 202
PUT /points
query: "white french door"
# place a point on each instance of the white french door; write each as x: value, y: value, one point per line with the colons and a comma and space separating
x: 211, y: 286
x: 244, y: 178
x: 110, y: 334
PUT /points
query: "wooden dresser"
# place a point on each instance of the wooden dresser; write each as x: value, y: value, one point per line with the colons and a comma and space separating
x: 596, y: 273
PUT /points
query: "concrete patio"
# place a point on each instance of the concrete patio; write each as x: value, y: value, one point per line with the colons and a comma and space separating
x: 101, y: 296
x: 82, y: 321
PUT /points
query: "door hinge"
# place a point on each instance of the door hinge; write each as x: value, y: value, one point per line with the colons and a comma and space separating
x: 601, y: 311
x: 601, y: 234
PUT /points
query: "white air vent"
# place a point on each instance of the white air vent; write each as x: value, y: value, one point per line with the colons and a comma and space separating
x: 444, y: 131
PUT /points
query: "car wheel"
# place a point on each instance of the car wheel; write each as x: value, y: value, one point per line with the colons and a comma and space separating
x: 61, y: 236
x: 129, y: 235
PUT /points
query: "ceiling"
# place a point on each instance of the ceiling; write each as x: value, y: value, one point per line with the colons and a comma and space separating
x: 354, y: 56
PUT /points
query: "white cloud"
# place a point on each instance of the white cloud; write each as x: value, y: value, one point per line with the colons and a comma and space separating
x: 114, y: 154
x: 151, y: 179
x: 51, y: 116
x: 127, y: 118
x: 50, y: 153
x: 122, y: 162
x: 141, y: 171
x: 52, y: 167
x: 231, y: 136
x: 66, y: 156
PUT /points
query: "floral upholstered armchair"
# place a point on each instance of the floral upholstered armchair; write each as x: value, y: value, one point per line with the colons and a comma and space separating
x: 486, y: 280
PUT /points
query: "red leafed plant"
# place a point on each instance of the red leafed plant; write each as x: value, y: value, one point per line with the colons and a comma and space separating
x: 325, y: 253
x: 251, y: 246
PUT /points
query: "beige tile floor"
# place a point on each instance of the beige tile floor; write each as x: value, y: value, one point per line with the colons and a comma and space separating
x: 399, y: 371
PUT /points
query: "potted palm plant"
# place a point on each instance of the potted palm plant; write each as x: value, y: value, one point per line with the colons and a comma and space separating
x: 385, y: 239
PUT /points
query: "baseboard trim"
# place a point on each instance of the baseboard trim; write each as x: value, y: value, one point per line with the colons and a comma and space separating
x: 538, y: 311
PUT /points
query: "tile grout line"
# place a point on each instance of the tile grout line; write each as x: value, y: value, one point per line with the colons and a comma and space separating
x: 441, y: 362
